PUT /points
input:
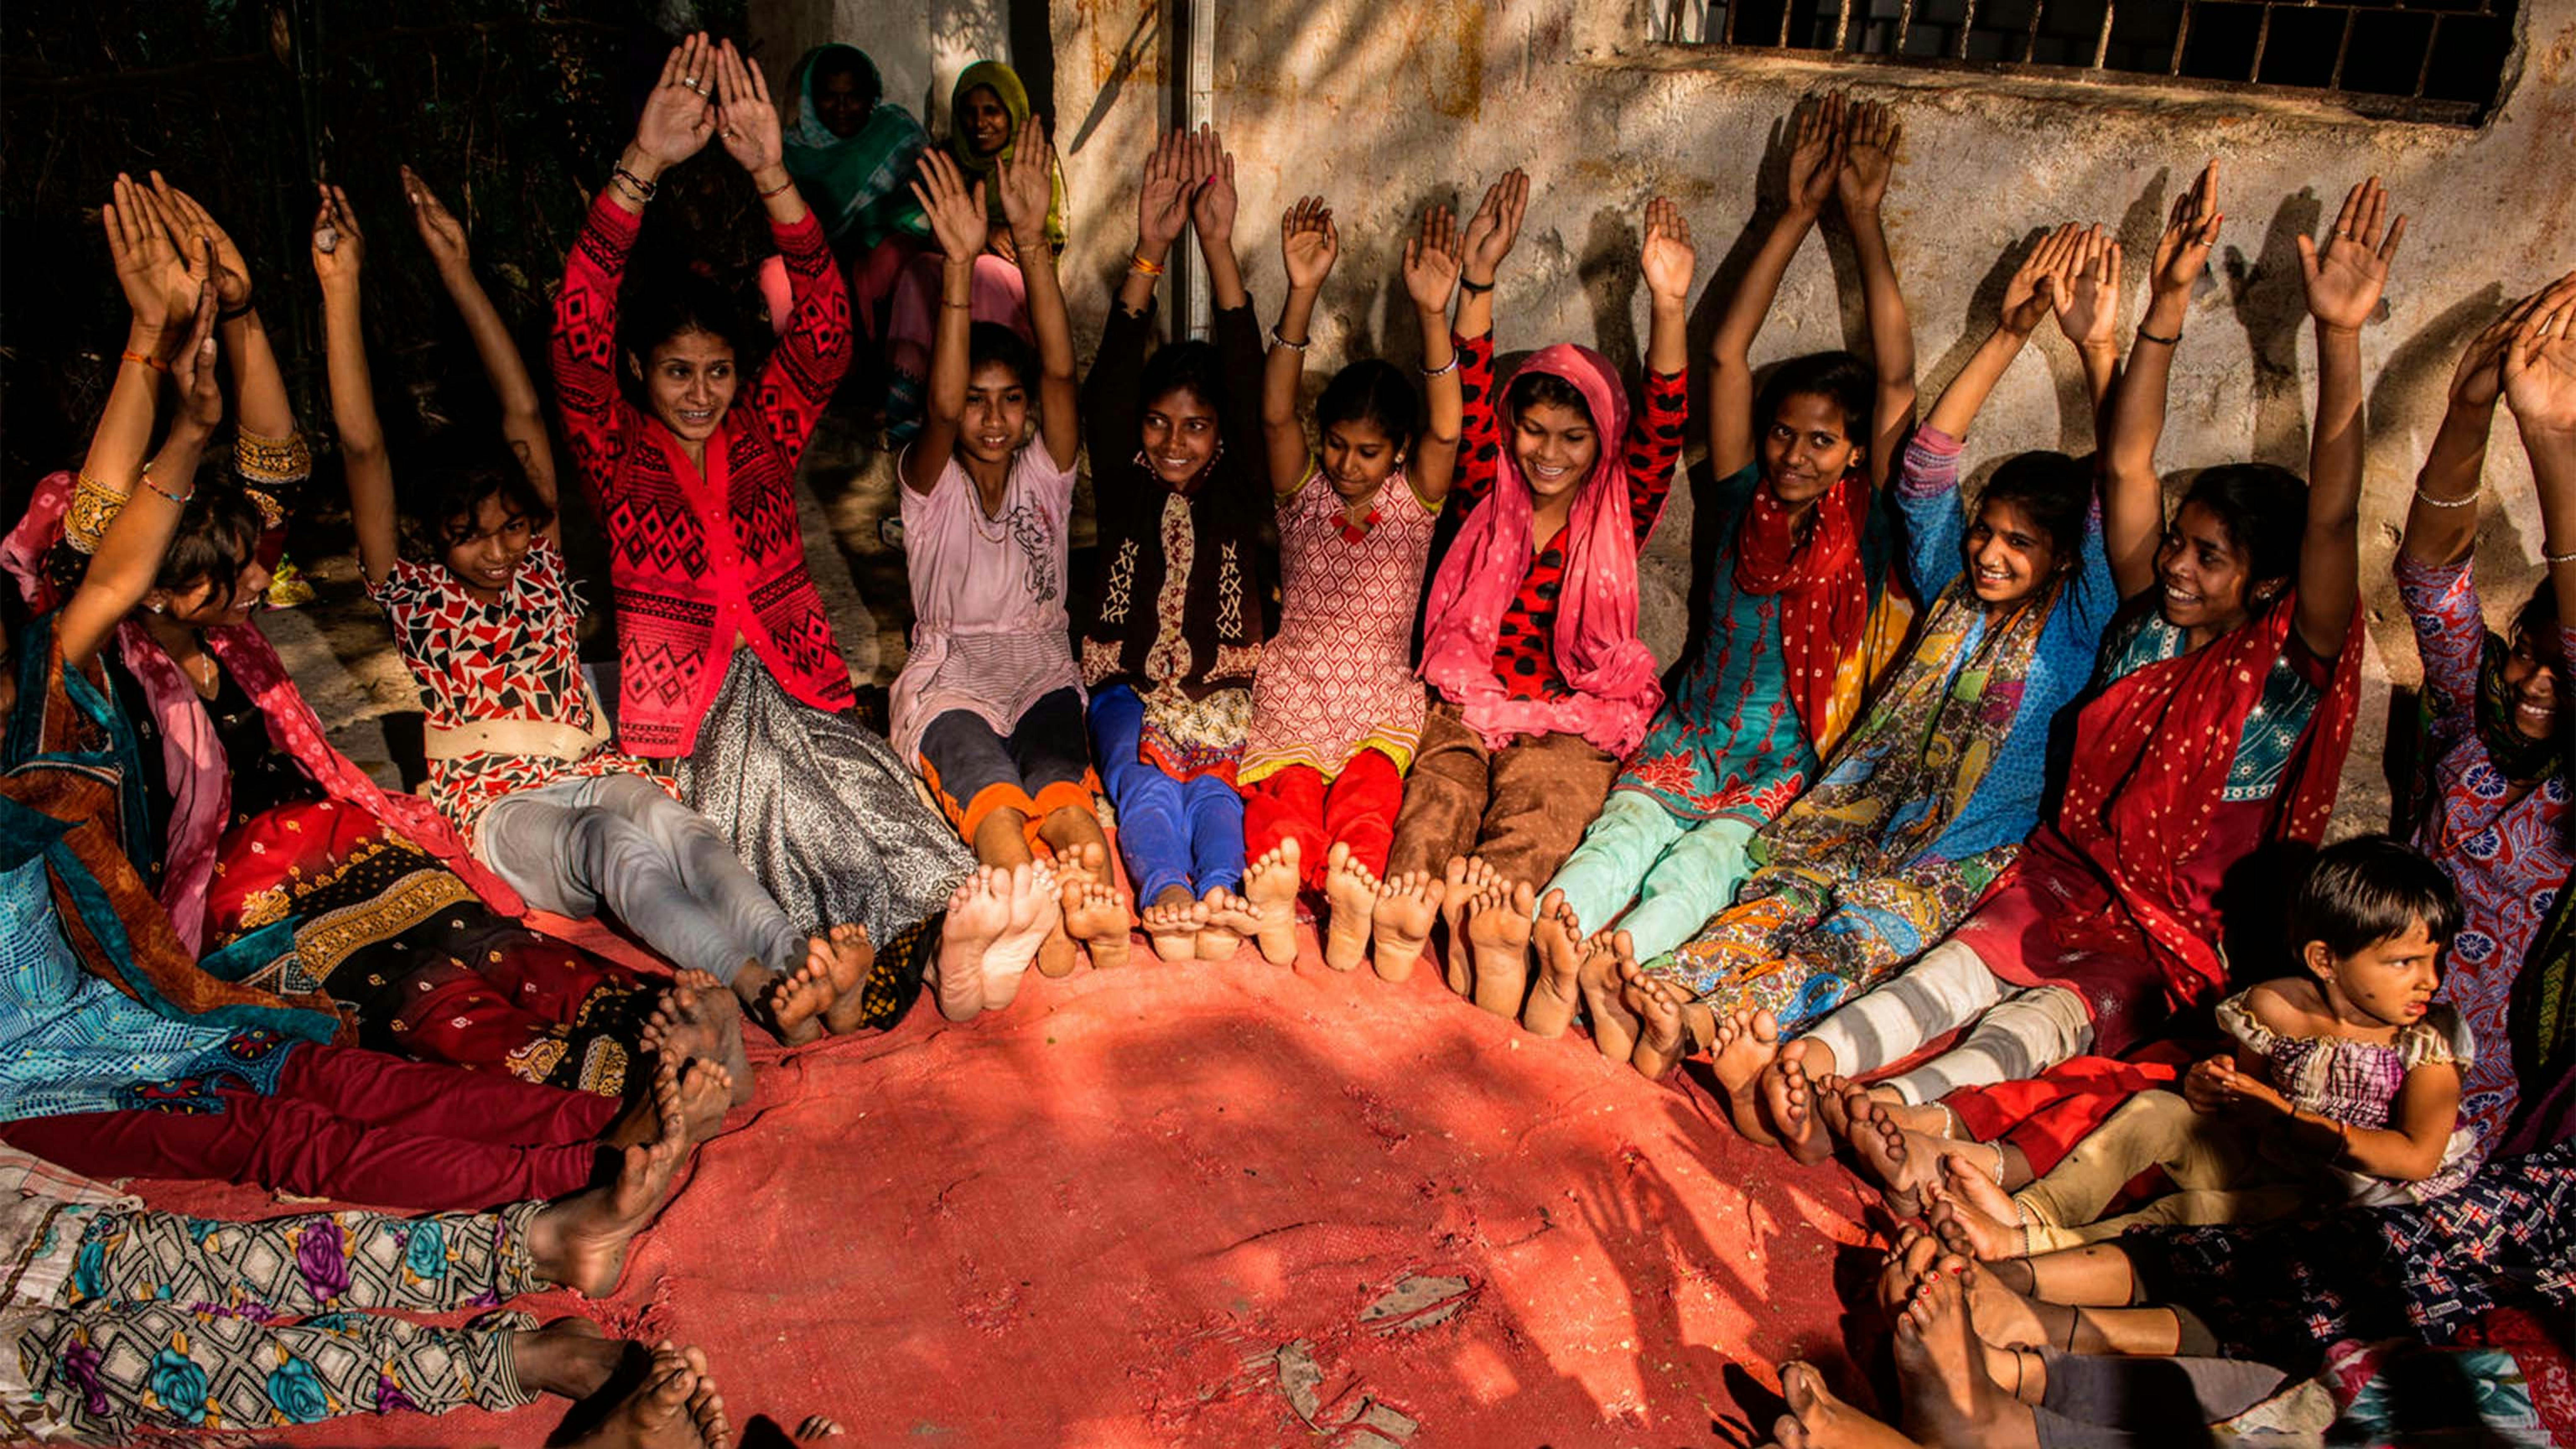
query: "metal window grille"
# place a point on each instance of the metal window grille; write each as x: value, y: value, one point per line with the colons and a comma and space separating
x: 2427, y: 60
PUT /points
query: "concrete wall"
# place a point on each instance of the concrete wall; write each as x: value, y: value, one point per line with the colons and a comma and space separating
x: 1385, y: 108
x: 919, y: 45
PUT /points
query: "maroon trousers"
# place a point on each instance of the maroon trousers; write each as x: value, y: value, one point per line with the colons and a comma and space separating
x: 355, y: 1125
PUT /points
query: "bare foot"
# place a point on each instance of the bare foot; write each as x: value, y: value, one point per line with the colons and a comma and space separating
x: 1498, y: 933
x: 580, y: 1241
x: 569, y: 1358
x: 979, y: 910
x: 1056, y: 954
x: 853, y: 957
x: 1033, y: 913
x: 1747, y: 1043
x: 1096, y: 915
x: 1949, y: 1400
x: 1818, y: 1420
x: 1983, y: 1211
x: 1406, y: 907
x: 1930, y: 1118
x: 1173, y: 923
x: 1230, y: 918
x: 794, y: 1007
x: 1791, y: 1100
x: 2003, y: 1316
x: 1660, y: 1040
x: 1465, y: 878
x: 1350, y: 898
x: 1885, y: 1155
x: 699, y: 1017
x: 1912, y: 1257
x: 666, y: 1410
x: 1558, y: 991
x: 1614, y: 1023
x: 1831, y: 1087
x: 1270, y: 884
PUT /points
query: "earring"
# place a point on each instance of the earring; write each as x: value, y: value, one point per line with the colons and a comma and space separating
x: 155, y: 608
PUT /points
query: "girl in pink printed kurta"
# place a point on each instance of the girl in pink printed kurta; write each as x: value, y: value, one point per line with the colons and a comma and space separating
x: 989, y: 706
x: 1336, y: 708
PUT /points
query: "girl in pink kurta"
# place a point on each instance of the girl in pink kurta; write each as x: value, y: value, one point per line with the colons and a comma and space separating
x: 989, y: 706
x: 1336, y: 707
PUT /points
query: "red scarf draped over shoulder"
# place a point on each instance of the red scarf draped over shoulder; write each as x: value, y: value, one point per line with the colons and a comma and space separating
x: 2152, y: 752
x: 1822, y: 587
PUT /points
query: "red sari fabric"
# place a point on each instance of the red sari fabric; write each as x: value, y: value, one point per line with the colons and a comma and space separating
x: 1823, y: 588
x: 2047, y: 1115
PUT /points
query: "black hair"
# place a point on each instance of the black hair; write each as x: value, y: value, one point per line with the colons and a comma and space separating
x: 218, y: 536
x: 1191, y: 366
x: 1375, y: 392
x: 2053, y: 492
x: 1530, y: 389
x: 1838, y: 375
x: 2369, y: 889
x: 442, y: 499
x: 2264, y: 510
x: 2538, y: 616
x: 842, y: 60
x: 993, y: 342
x: 682, y: 299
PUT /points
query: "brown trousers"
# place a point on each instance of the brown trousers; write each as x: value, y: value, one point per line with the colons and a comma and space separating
x: 1523, y: 807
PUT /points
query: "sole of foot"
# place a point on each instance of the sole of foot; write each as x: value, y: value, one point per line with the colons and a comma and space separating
x: 1615, y: 1025
x: 853, y: 957
x: 700, y: 1017
x: 1270, y: 884
x: 1658, y: 1008
x: 1230, y: 919
x: 1350, y: 900
x: 1747, y: 1043
x: 1033, y: 913
x: 676, y: 1406
x: 796, y: 1002
x: 1172, y: 925
x: 978, y: 912
x: 1557, y: 994
x: 1096, y: 916
x: 1498, y: 938
x: 1464, y: 879
x: 1400, y: 922
x: 1790, y: 1099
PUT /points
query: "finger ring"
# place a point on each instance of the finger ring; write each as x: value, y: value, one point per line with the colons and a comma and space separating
x: 690, y: 81
x: 326, y: 241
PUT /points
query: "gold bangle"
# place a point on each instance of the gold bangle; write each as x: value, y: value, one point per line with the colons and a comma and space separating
x: 781, y: 186
x: 147, y: 359
x: 1137, y: 263
x: 94, y: 506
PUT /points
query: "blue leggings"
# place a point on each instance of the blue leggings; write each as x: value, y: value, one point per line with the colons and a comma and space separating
x: 1171, y: 832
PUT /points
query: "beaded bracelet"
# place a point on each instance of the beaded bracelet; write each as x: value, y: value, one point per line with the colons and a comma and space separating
x: 2469, y: 502
x: 1284, y: 342
x: 180, y: 499
x: 2554, y: 559
x: 1444, y: 369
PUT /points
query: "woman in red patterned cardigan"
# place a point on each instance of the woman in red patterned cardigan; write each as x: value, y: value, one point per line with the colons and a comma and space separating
x: 728, y: 669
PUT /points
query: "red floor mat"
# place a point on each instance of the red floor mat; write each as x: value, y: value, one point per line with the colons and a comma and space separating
x: 1219, y: 1205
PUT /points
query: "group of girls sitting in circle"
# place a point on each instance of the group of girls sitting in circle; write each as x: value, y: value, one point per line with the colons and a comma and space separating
x: 2003, y: 771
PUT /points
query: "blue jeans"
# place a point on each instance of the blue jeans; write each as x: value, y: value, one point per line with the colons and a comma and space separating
x: 1186, y: 833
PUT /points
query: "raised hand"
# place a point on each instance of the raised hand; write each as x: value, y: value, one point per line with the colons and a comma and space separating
x: 957, y: 215
x: 1869, y: 157
x: 439, y: 229
x: 1027, y: 180
x: 745, y: 120
x: 192, y: 368
x: 2344, y: 280
x: 2182, y: 253
x: 2039, y: 279
x: 337, y: 264
x: 2539, y: 362
x: 1212, y: 206
x: 1495, y: 226
x: 2088, y: 291
x: 1163, y: 200
x: 678, y: 115
x: 1431, y: 260
x: 1666, y: 257
x: 188, y: 221
x: 1816, y: 152
x: 1309, y: 243
x: 157, y: 281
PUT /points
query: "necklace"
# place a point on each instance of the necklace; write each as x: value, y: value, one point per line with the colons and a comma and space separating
x: 992, y: 530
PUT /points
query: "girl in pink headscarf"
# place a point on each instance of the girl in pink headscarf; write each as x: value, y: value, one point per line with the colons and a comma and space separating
x: 1540, y: 685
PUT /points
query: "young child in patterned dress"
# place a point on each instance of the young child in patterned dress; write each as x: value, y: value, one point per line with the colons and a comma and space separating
x: 520, y: 756
x: 989, y: 704
x: 1336, y: 708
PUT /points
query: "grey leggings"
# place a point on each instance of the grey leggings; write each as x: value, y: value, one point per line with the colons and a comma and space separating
x: 2018, y: 1032
x: 2153, y: 1401
x: 576, y: 846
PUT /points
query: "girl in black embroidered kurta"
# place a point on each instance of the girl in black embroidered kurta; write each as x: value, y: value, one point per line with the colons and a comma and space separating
x: 1183, y: 600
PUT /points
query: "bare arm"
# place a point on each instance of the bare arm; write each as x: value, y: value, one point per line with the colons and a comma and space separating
x: 1815, y: 160
x: 523, y: 419
x: 162, y: 294
x: 121, y: 572
x: 1431, y: 263
x: 353, y: 393
x: 1869, y: 159
x: 2133, y: 504
x: 1667, y: 262
x: 2344, y: 282
x: 259, y: 385
x: 1308, y: 245
x: 957, y: 219
x: 2540, y: 387
x: 1028, y: 187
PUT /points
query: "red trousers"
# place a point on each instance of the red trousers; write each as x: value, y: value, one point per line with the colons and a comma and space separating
x: 355, y: 1125
x: 2047, y: 1115
x: 1357, y: 809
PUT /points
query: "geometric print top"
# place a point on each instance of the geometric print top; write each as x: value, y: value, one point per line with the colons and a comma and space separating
x: 517, y: 659
x: 2291, y: 689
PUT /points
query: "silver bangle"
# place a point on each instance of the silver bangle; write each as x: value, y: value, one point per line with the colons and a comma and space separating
x: 2469, y: 502
x: 2556, y: 558
x: 1444, y: 369
x: 1284, y: 342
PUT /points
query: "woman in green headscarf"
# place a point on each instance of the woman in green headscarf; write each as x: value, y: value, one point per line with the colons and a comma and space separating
x: 852, y: 151
x: 985, y: 114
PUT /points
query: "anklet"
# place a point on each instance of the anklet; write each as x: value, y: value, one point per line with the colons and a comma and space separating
x: 2469, y: 502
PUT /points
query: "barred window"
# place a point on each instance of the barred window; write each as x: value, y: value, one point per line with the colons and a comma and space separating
x: 2426, y: 60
